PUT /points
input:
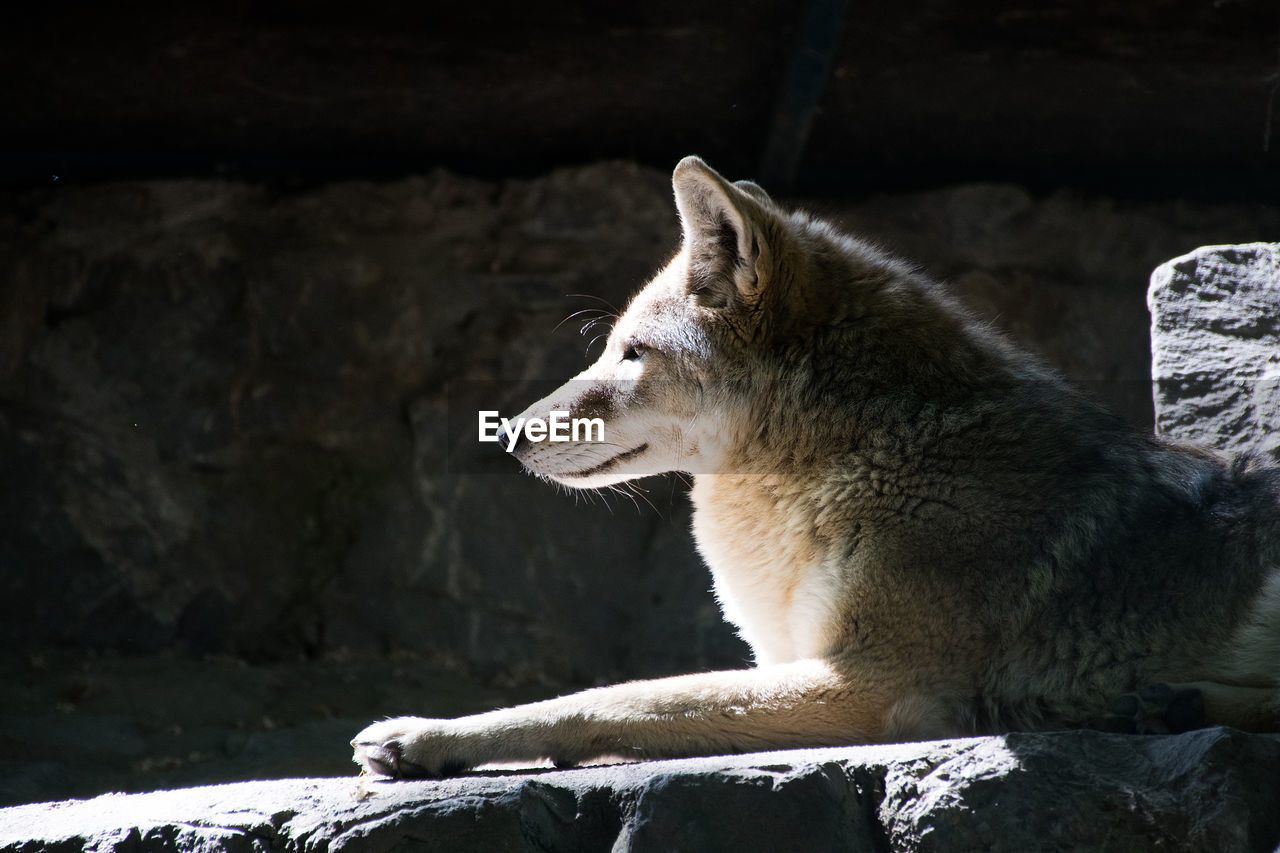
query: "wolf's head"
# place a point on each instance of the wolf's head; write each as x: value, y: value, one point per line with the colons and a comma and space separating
x: 727, y: 346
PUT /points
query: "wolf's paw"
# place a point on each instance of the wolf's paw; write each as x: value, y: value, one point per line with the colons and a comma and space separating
x: 409, y: 747
x: 1156, y: 709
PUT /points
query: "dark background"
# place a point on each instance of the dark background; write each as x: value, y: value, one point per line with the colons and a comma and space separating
x: 1155, y: 97
x: 253, y: 255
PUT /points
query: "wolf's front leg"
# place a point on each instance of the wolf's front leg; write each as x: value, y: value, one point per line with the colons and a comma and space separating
x: 806, y: 703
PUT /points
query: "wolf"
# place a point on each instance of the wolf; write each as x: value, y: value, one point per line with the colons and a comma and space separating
x: 920, y: 531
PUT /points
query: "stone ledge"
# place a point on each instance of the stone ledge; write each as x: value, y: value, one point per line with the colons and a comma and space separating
x: 1213, y: 789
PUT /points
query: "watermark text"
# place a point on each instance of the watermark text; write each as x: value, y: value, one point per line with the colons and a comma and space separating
x: 557, y: 426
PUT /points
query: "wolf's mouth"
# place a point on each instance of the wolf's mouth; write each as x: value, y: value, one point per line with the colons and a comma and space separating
x: 609, y: 463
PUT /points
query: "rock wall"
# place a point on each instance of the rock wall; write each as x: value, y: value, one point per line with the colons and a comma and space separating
x: 224, y: 407
x: 1215, y: 333
x: 86, y: 372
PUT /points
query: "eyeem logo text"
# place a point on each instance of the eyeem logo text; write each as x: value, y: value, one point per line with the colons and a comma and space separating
x: 557, y: 426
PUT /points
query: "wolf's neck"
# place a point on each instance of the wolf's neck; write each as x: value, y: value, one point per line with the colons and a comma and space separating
x: 759, y: 538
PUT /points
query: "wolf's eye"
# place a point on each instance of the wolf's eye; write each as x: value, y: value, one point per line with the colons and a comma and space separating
x: 633, y: 351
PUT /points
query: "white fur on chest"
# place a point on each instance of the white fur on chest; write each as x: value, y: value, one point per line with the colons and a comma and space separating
x: 772, y: 580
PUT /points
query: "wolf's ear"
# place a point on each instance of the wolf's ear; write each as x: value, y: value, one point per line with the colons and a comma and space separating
x: 723, y: 233
x: 754, y: 190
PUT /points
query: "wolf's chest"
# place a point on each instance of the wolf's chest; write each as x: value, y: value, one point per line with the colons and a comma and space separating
x: 771, y: 575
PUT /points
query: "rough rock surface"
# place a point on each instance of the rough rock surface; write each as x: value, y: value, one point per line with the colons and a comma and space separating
x: 1215, y: 346
x: 1213, y: 789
